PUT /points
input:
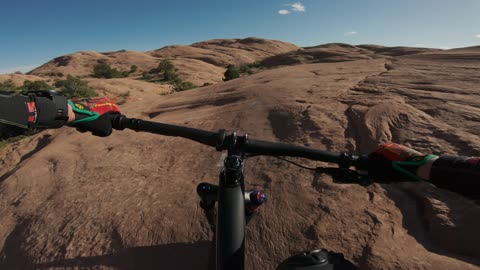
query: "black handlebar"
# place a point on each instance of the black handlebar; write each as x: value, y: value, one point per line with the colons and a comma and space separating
x: 255, y: 147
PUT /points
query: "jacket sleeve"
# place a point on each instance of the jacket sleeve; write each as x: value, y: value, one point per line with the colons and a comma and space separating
x: 29, y: 111
x: 14, y: 110
x: 457, y: 174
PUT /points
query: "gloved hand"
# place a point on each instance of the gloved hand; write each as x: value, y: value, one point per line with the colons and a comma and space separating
x: 394, y: 162
x: 93, y: 114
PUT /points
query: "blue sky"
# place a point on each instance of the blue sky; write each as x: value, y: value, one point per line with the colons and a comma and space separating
x: 33, y: 32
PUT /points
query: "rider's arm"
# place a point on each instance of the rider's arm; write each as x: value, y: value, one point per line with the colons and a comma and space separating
x: 392, y: 162
x: 28, y: 111
x: 52, y: 110
x: 457, y: 174
x: 14, y: 110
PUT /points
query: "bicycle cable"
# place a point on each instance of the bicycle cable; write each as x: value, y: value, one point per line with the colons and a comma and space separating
x: 296, y: 164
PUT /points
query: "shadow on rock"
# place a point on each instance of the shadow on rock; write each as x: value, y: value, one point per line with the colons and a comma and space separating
x: 442, y: 225
x: 42, y: 143
x: 181, y: 256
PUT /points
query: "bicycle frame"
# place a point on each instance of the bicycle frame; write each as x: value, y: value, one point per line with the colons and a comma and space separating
x: 230, y: 220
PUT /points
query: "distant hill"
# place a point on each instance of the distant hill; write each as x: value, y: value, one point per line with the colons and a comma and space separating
x: 339, y: 52
x: 200, y: 63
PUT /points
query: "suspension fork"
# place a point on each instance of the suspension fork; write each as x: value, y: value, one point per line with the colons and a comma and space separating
x: 235, y: 209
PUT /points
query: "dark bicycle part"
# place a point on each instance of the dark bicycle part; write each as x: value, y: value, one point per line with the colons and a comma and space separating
x: 320, y: 259
x: 208, y: 196
x: 121, y: 122
x: 231, y: 221
x: 345, y: 176
x: 221, y: 141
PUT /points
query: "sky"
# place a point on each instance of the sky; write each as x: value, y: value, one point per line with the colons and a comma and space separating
x: 33, y: 32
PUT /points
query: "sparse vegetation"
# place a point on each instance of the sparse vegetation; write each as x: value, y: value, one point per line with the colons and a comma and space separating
x: 35, y: 85
x: 103, y: 70
x: 147, y: 76
x: 249, y: 68
x: 166, y: 72
x: 7, y: 85
x: 181, y: 86
x: 74, y: 87
x: 133, y: 69
x: 231, y: 73
x: 207, y: 84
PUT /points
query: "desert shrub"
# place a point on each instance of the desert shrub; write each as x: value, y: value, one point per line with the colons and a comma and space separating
x: 123, y: 74
x: 147, y: 76
x: 243, y: 69
x: 74, y: 87
x: 181, y: 86
x: 248, y: 68
x: 103, y: 70
x: 165, y: 71
x: 231, y: 73
x: 133, y: 69
x: 7, y: 85
x: 207, y: 84
x: 35, y: 85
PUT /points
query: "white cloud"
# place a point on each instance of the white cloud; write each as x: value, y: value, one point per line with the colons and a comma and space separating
x: 283, y: 12
x: 351, y: 33
x: 298, y: 7
x: 478, y: 36
x: 23, y: 69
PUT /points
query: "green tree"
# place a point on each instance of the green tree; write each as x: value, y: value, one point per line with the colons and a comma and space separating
x: 166, y: 65
x: 74, y: 87
x: 169, y: 73
x: 231, y: 73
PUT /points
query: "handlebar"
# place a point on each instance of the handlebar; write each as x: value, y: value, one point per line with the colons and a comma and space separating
x: 254, y: 147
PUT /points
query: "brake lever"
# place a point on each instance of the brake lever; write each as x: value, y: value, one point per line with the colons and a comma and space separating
x: 345, y: 176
